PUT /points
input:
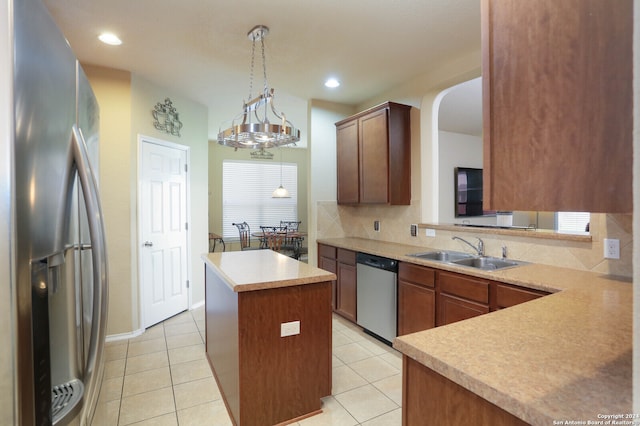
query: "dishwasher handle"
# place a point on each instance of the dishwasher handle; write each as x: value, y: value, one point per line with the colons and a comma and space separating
x: 377, y: 262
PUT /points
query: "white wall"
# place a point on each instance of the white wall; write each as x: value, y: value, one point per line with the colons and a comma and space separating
x: 193, y: 134
x: 322, y: 161
x: 126, y: 102
x: 456, y: 150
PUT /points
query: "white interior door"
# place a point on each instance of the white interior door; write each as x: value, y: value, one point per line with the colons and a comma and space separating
x: 163, y: 230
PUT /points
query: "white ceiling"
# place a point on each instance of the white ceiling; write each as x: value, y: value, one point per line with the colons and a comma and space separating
x: 199, y: 48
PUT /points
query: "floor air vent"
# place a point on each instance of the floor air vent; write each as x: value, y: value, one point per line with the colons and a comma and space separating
x: 65, y: 397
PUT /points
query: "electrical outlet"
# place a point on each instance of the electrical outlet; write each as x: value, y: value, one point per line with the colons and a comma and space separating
x: 430, y: 232
x: 611, y: 248
x: 376, y: 225
x: 414, y: 230
x: 289, y: 328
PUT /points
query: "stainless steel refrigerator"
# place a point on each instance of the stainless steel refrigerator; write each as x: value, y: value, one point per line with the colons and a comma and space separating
x: 53, y: 267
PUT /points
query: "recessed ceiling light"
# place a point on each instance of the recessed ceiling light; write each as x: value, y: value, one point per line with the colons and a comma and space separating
x: 110, y: 38
x: 332, y: 83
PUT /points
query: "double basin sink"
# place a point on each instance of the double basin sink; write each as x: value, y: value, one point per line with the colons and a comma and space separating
x: 485, y: 263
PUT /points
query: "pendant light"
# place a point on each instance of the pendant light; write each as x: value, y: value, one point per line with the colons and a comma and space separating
x: 252, y: 128
x: 281, y: 191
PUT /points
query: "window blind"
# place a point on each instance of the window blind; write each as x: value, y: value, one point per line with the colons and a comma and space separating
x: 572, y: 221
x: 246, y: 194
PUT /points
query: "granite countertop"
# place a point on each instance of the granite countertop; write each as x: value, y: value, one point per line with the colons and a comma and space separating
x: 563, y: 357
x: 263, y: 269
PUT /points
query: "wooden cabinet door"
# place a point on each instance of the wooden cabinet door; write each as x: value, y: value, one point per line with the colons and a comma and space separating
x: 348, y: 180
x: 347, y: 296
x: 331, y: 266
x: 416, y: 308
x: 327, y: 261
x: 374, y: 157
x: 460, y: 297
x: 452, y: 309
x: 557, y: 105
x: 505, y: 295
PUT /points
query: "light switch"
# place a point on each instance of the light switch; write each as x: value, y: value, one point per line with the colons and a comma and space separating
x: 289, y: 328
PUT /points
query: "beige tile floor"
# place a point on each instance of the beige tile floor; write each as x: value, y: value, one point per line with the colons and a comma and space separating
x: 162, y: 378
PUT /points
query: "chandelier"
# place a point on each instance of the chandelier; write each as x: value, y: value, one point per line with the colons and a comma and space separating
x: 252, y: 127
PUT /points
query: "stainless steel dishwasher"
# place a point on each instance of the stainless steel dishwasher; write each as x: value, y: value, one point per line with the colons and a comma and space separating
x: 377, y: 295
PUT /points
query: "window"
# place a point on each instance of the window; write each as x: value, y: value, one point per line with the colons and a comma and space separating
x: 246, y: 194
x: 572, y: 221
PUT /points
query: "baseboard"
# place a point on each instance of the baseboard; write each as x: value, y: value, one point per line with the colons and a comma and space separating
x: 197, y: 305
x: 136, y: 333
x: 124, y: 336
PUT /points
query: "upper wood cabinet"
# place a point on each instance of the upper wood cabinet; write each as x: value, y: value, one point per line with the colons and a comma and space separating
x: 557, y: 105
x: 373, y: 156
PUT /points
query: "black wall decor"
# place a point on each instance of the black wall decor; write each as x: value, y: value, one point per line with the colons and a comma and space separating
x: 166, y: 118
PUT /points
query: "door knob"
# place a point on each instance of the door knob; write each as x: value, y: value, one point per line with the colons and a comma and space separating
x: 148, y: 244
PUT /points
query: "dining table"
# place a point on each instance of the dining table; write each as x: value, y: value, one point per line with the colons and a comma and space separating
x: 295, y: 236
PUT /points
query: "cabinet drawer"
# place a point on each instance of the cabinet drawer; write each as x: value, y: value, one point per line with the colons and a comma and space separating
x: 417, y: 274
x: 346, y: 256
x: 507, y: 295
x: 327, y: 251
x: 463, y: 286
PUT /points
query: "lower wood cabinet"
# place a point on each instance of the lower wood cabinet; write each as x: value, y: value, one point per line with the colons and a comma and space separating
x: 327, y: 261
x: 346, y: 298
x: 447, y: 403
x: 416, y: 298
x: 506, y: 295
x: 452, y: 309
x: 427, y: 297
x: 461, y: 297
x: 341, y: 262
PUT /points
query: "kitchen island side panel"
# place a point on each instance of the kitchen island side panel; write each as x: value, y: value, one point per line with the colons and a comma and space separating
x: 222, y: 348
x: 283, y: 378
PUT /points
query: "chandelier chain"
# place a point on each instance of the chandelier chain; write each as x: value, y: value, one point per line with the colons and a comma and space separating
x: 264, y: 66
x: 253, y: 56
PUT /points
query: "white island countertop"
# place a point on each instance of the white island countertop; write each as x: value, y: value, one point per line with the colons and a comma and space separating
x: 252, y: 270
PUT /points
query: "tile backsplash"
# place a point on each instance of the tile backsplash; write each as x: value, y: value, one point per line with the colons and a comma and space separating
x: 335, y: 221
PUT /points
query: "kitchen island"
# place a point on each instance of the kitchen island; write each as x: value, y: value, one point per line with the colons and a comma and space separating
x: 563, y: 358
x: 268, y: 335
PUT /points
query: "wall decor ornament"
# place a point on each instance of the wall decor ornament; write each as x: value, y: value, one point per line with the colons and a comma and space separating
x: 166, y: 118
x: 261, y: 154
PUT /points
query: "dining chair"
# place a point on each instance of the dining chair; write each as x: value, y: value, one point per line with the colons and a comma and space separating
x: 293, y: 242
x: 244, y: 231
x: 274, y: 238
x: 213, y: 239
x: 292, y: 225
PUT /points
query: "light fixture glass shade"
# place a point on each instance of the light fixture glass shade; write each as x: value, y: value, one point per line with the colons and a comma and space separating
x: 280, y: 192
x: 252, y: 128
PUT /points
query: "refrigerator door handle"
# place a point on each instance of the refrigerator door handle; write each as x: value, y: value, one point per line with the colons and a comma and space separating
x: 89, y: 187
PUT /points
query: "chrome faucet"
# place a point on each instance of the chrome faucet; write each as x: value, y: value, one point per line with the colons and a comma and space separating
x: 479, y: 248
